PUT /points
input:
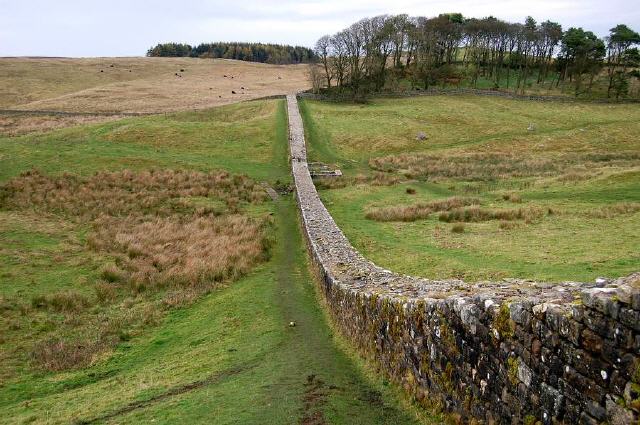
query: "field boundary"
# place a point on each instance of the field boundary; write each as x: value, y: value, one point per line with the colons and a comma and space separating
x: 468, y: 91
x: 488, y: 351
x: 74, y: 114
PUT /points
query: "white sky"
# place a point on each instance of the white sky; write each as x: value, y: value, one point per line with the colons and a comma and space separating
x: 130, y: 27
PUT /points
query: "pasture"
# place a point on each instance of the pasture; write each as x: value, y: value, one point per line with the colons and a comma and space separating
x: 147, y: 276
x: 113, y: 86
x: 497, y: 189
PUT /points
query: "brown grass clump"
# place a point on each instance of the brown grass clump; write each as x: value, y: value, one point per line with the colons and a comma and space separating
x: 66, y: 301
x: 419, y: 211
x: 169, y: 252
x: 174, y: 233
x: 506, y: 225
x: 377, y: 179
x: 457, y: 228
x: 613, y: 210
x: 59, y: 354
x: 18, y: 124
x: 492, y: 166
x: 512, y: 197
x: 125, y: 193
x: 477, y: 214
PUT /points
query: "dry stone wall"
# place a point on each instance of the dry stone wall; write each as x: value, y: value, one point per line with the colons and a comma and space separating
x: 493, y: 352
x: 437, y: 91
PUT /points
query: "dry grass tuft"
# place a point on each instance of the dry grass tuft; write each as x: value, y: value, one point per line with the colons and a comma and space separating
x: 492, y: 166
x: 59, y: 354
x: 614, y: 210
x: 174, y: 233
x: 169, y: 252
x: 477, y: 214
x: 66, y: 301
x: 419, y: 211
x: 127, y: 193
x: 457, y: 228
x: 512, y: 197
x: 19, y: 124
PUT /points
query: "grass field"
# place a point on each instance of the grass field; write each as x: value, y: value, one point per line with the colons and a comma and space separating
x: 119, y: 305
x: 484, y: 197
x: 130, y: 85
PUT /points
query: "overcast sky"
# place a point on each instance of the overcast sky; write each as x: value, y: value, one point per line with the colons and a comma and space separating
x: 130, y: 27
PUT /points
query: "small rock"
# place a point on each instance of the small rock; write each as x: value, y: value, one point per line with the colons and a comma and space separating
x: 531, y: 127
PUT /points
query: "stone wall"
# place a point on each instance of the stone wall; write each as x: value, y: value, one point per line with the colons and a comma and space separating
x: 493, y: 352
x: 436, y: 91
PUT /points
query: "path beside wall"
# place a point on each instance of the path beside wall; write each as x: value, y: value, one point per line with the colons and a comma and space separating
x: 496, y: 352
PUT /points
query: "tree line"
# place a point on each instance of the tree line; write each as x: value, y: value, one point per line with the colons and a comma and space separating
x: 253, y: 52
x: 450, y: 49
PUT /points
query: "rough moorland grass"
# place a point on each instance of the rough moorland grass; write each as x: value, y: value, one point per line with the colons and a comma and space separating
x: 420, y: 210
x: 158, y: 241
x: 575, y: 178
x: 94, y: 258
x: 229, y: 357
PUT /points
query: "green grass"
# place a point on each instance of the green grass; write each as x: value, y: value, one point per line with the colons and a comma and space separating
x: 575, y: 242
x: 235, y: 138
x: 229, y: 358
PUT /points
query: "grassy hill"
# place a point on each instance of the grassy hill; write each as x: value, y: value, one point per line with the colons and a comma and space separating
x: 147, y: 277
x: 130, y: 85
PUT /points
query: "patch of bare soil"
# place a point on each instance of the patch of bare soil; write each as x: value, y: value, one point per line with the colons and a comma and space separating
x: 314, y: 398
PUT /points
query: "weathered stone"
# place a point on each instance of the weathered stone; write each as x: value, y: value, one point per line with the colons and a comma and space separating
x: 591, y: 341
x: 617, y: 414
x: 630, y: 318
x: 596, y: 410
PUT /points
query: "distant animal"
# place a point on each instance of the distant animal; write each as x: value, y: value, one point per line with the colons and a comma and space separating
x: 129, y: 70
x: 531, y: 127
x: 111, y: 66
x: 182, y: 70
x: 233, y: 92
x: 101, y: 71
x: 242, y: 88
x: 279, y: 78
x: 455, y: 81
x: 224, y: 76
